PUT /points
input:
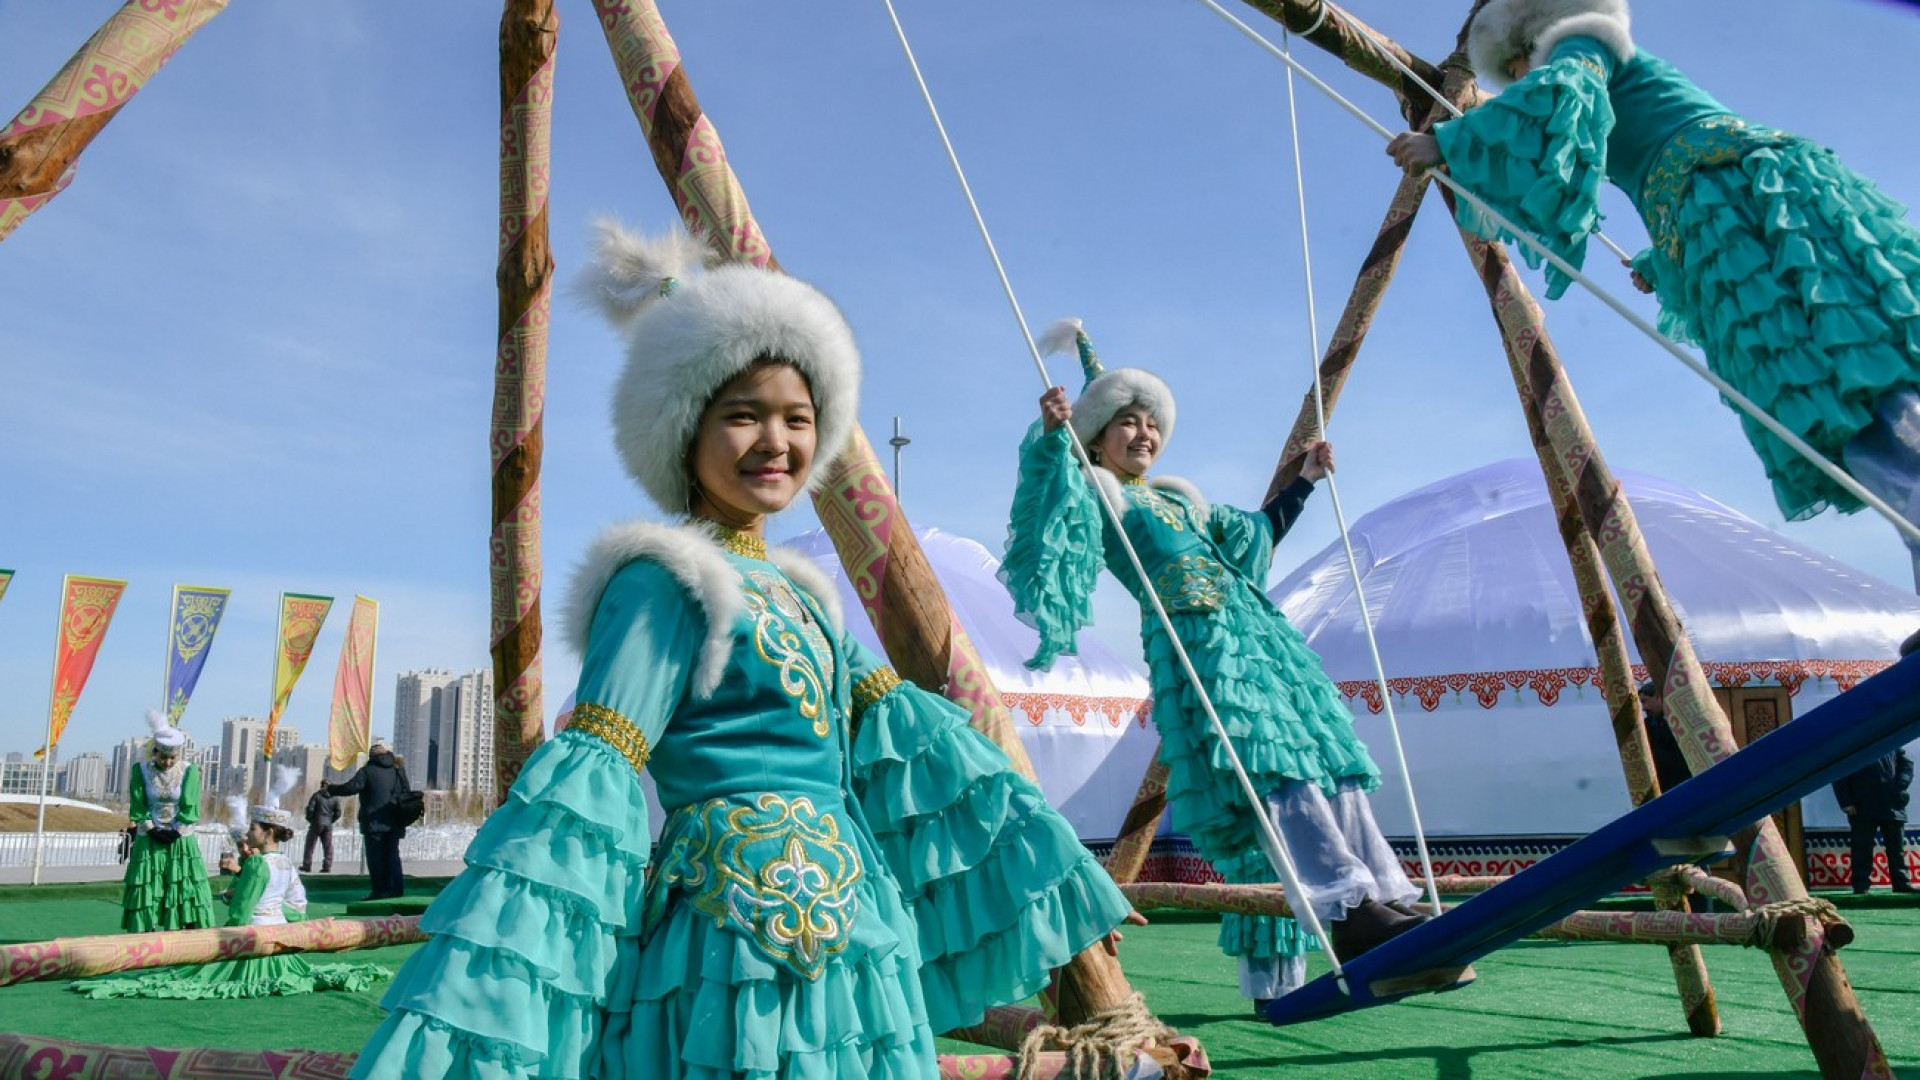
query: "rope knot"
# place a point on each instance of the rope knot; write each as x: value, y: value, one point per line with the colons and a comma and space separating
x: 1101, y: 1047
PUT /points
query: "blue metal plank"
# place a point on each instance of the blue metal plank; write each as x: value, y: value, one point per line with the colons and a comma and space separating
x: 1789, y: 763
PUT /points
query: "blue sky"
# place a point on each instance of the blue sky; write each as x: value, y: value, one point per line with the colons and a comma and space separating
x: 252, y: 344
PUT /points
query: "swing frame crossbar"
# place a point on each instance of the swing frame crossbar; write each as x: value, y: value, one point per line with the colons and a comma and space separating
x: 1688, y: 824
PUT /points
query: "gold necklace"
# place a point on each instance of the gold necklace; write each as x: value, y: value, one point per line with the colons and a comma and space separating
x: 744, y: 544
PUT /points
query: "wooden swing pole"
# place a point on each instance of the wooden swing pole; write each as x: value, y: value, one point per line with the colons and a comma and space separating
x: 896, y: 585
x: 529, y: 30
x: 1837, y: 1031
x: 40, y: 148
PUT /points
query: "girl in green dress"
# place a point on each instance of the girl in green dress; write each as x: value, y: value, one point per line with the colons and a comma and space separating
x: 166, y: 880
x: 1208, y: 565
x: 846, y: 867
x: 267, y: 893
x: 1794, y: 275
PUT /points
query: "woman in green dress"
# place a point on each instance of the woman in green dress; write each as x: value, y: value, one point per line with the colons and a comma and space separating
x: 166, y: 880
x: 1794, y: 275
x: 267, y: 893
x: 846, y: 867
x: 1208, y: 565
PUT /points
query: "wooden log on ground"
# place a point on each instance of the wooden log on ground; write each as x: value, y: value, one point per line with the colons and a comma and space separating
x: 30, y: 1057
x: 529, y: 30
x: 104, y: 954
x: 40, y: 148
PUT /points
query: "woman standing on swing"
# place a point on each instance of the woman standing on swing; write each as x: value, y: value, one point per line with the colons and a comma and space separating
x: 1292, y: 732
x: 1793, y: 274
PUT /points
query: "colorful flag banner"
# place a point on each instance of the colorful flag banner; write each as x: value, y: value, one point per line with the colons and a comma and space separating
x: 301, y: 617
x: 86, y: 607
x: 349, y: 721
x: 196, y: 617
x: 6, y: 577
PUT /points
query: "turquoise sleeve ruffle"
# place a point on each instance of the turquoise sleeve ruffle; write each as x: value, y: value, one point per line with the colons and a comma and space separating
x: 523, y: 943
x: 1053, y: 545
x: 1245, y: 541
x: 1538, y: 154
x: 514, y: 979
x: 1002, y: 890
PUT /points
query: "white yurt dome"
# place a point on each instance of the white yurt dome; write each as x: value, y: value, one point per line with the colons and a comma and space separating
x: 1493, y: 679
x: 1084, y: 723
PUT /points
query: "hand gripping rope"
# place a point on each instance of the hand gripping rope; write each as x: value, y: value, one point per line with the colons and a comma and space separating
x: 1270, y: 840
x: 1745, y: 404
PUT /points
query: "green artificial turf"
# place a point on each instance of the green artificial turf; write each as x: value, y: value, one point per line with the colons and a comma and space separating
x: 1545, y: 1010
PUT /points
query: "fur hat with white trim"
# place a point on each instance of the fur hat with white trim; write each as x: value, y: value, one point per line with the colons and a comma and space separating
x: 690, y: 330
x: 1505, y: 29
x: 1107, y: 392
x: 165, y: 736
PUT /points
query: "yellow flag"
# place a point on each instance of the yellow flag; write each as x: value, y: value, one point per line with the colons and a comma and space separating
x: 301, y: 617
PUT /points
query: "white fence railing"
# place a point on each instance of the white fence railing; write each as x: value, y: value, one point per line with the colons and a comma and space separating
x: 436, y: 843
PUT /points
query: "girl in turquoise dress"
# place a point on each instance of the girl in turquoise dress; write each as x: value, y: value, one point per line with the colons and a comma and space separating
x: 1793, y: 274
x: 1208, y: 564
x: 268, y: 892
x: 846, y: 867
x: 165, y: 887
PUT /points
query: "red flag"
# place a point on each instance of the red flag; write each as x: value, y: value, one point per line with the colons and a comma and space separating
x: 86, y: 607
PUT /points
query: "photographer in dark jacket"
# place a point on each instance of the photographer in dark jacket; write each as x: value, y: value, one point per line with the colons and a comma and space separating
x: 1875, y: 801
x: 379, y: 785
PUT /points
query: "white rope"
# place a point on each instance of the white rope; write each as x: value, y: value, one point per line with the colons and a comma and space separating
x: 1271, y: 842
x: 1739, y: 400
x: 1333, y: 489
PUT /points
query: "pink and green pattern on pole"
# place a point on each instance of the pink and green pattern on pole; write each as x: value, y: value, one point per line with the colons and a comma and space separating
x: 84, y: 957
x: 31, y: 1057
x: 104, y: 75
x: 515, y: 573
x: 704, y: 188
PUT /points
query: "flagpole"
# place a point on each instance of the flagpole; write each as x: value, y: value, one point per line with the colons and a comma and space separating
x: 46, y: 760
x: 166, y: 668
x: 273, y: 692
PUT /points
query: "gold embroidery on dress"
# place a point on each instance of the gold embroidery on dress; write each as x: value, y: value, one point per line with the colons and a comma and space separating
x: 1192, y: 583
x: 784, y: 633
x: 613, y: 729
x: 1715, y: 140
x: 868, y: 691
x: 798, y: 905
x: 1159, y: 506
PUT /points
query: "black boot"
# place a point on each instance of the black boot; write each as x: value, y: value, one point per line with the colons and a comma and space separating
x: 1368, y: 926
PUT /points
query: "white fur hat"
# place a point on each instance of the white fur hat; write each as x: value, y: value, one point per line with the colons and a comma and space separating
x: 1505, y: 29
x: 1107, y: 391
x: 165, y: 735
x: 690, y: 330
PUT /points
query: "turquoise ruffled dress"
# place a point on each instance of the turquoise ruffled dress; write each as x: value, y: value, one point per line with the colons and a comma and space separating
x: 845, y: 868
x: 1792, y: 273
x: 165, y: 887
x: 1285, y: 717
x: 267, y: 893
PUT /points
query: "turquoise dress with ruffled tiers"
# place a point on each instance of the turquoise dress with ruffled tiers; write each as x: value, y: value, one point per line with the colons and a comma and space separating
x: 1285, y: 717
x: 1791, y: 272
x: 846, y: 867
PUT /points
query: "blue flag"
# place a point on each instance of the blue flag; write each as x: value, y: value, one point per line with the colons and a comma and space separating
x: 196, y: 615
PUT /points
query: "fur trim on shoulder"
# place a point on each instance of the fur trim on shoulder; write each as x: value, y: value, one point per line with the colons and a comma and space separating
x: 1505, y: 29
x: 1109, y: 483
x: 689, y: 554
x: 1115, y: 390
x: 1186, y: 489
x: 807, y: 574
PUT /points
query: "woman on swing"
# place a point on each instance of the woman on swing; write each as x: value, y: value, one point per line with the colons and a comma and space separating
x: 1794, y: 275
x: 1292, y: 732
